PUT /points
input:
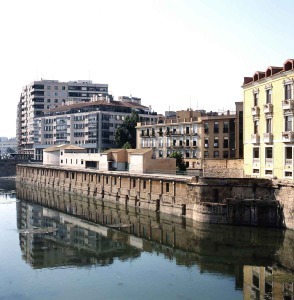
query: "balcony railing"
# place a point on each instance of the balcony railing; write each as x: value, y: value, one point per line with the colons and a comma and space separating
x: 268, y: 161
x: 288, y: 162
x: 256, y: 161
x: 288, y: 136
x: 268, y: 108
x: 255, y: 111
x: 255, y: 138
x: 268, y: 138
x: 288, y: 104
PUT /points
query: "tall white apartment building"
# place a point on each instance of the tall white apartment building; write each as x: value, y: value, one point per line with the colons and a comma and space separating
x: 48, y: 94
x: 91, y: 125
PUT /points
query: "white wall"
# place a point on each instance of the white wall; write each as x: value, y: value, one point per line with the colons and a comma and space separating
x: 51, y: 158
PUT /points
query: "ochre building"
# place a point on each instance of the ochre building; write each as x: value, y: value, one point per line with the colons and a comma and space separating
x: 268, y: 122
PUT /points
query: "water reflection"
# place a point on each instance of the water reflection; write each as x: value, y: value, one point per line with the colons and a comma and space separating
x: 96, y: 232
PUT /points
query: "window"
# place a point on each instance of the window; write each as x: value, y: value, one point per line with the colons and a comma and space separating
x: 48, y: 100
x: 114, y: 180
x: 288, y: 123
x: 134, y: 183
x: 255, y: 124
x: 106, y: 178
x: 268, y: 125
x: 216, y: 154
x: 268, y: 96
x: 268, y: 152
x: 56, y: 100
x: 194, y: 142
x: 288, y: 94
x: 206, y: 142
x: 215, y: 127
x: 205, y: 154
x: 215, y: 142
x: 187, y: 130
x: 288, y: 152
x: 160, y: 153
x: 48, y: 87
x: 206, y: 127
x: 63, y: 88
x: 226, y: 142
x: 255, y: 152
x: 187, y: 143
x: 187, y: 154
x: 167, y: 187
x: 226, y: 127
x: 255, y: 99
x: 144, y: 184
x: 226, y: 154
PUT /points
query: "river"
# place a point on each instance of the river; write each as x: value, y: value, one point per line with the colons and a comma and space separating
x: 107, y: 251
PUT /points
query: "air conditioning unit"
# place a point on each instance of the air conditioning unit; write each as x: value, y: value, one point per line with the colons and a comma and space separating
x: 215, y: 145
x: 206, y: 145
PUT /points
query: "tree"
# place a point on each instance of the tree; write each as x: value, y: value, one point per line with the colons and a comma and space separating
x: 181, y: 166
x: 126, y: 133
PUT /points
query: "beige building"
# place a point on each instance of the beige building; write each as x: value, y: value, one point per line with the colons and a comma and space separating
x: 268, y: 119
x: 47, y: 94
x: 197, y: 135
x: 91, y: 125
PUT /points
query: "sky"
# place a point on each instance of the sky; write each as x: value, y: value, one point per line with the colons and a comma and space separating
x: 174, y: 54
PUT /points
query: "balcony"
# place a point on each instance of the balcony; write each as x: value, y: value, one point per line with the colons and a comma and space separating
x: 288, y: 104
x: 288, y: 136
x: 268, y: 108
x: 256, y: 161
x: 288, y: 162
x: 268, y: 138
x: 269, y: 161
x: 255, y: 111
x: 255, y: 138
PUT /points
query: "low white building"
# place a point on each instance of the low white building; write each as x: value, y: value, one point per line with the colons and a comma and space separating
x: 132, y: 160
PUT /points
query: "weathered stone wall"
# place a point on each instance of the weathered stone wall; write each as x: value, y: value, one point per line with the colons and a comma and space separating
x: 252, y: 201
x: 223, y: 168
x: 284, y: 193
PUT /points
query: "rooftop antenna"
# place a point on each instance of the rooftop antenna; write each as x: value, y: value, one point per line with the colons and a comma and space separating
x: 190, y: 102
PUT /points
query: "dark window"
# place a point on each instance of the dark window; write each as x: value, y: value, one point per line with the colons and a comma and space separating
x: 226, y: 127
x: 215, y: 127
x: 167, y: 187
x: 255, y: 99
x: 268, y: 96
x: 288, y: 93
x: 288, y: 152
x: 144, y: 184
x: 134, y: 183
x: 216, y: 154
x: 255, y: 152
x: 226, y: 142
x: 268, y: 152
x: 226, y: 154
x: 288, y: 123
x: 206, y: 127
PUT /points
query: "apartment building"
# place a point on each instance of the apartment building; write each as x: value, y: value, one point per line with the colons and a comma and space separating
x: 91, y: 125
x: 197, y: 135
x: 47, y: 94
x: 268, y: 119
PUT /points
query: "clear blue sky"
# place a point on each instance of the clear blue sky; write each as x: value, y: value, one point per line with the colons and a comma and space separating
x: 172, y: 54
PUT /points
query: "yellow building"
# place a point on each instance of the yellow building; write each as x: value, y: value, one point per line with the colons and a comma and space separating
x: 268, y: 122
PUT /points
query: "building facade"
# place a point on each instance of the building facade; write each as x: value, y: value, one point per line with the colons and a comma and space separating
x: 47, y: 94
x: 197, y: 135
x: 91, y: 125
x: 7, y: 146
x: 268, y: 119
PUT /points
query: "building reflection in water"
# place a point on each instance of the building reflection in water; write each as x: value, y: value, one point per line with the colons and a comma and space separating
x: 94, y: 232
